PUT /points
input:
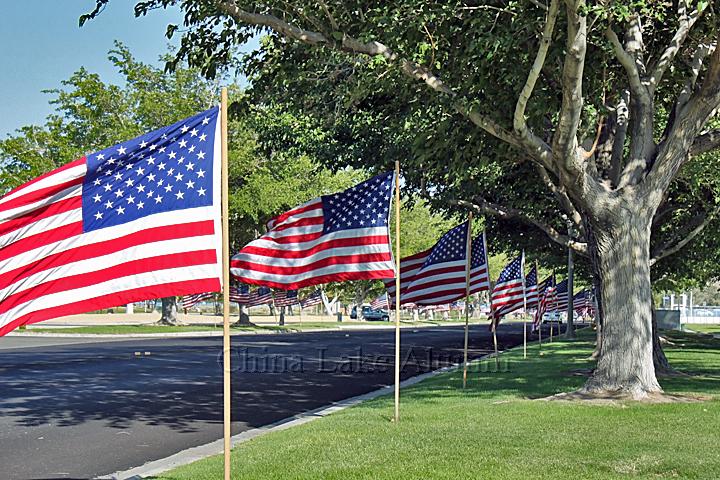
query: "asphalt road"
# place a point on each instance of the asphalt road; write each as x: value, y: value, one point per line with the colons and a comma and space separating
x: 90, y: 408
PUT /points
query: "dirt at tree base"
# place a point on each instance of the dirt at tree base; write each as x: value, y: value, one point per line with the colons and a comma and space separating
x: 166, y: 323
x: 619, y: 398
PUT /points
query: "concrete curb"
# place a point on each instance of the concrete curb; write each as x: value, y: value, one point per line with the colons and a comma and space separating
x: 212, y: 333
x: 193, y: 454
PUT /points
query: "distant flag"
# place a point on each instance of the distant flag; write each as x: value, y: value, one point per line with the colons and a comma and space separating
x: 285, y: 298
x: 546, y: 296
x: 331, y: 238
x: 507, y: 295
x: 561, y: 297
x: 315, y: 298
x: 445, y: 307
x: 380, y: 303
x: 260, y: 296
x: 458, y: 305
x: 188, y: 301
x: 134, y: 221
x: 479, y: 271
x: 442, y: 277
x: 240, y: 294
x: 582, y: 302
x: 531, y: 289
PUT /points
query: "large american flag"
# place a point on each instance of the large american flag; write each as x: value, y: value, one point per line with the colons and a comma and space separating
x: 531, y: 289
x: 442, y: 277
x: 315, y: 298
x: 332, y: 238
x: 134, y: 221
x: 508, y: 293
x: 285, y: 298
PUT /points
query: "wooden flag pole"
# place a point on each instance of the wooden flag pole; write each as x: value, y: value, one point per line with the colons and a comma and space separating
x: 522, y: 276
x: 494, y: 326
x: 468, y: 253
x: 397, y: 291
x: 226, y: 281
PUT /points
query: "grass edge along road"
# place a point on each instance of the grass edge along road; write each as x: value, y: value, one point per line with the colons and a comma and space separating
x: 495, y: 429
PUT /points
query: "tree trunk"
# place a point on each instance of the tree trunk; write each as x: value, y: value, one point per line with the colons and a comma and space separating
x: 625, y: 364
x: 282, y: 316
x: 660, y: 361
x: 243, y: 317
x: 169, y: 312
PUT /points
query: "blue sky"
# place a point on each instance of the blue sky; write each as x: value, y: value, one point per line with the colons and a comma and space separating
x: 41, y: 44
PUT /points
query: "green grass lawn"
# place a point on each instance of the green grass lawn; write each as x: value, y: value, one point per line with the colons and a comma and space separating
x: 704, y: 328
x: 495, y: 430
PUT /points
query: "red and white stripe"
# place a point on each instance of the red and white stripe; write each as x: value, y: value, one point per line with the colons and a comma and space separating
x: 409, y: 267
x: 296, y: 254
x: 49, y: 267
x: 189, y: 301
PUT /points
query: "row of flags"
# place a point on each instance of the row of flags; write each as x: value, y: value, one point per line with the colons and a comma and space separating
x: 243, y: 296
x: 141, y: 219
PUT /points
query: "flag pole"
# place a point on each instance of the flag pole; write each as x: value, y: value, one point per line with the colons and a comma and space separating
x: 468, y: 253
x: 494, y: 326
x: 522, y: 274
x: 226, y: 281
x: 397, y: 291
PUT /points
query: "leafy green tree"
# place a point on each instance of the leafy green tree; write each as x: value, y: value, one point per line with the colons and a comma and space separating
x: 466, y: 87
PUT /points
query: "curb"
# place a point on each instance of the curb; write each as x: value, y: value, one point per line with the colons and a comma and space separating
x: 219, y: 333
x: 193, y: 454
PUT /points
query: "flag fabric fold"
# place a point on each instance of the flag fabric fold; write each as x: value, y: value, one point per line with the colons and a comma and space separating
x: 315, y: 298
x: 442, y: 277
x: 546, y: 296
x: 134, y: 221
x: 260, y: 296
x: 240, y: 294
x: 531, y: 289
x: 508, y: 293
x: 332, y: 238
x: 285, y: 298
x: 188, y: 301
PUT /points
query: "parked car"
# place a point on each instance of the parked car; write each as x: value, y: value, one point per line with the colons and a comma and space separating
x: 369, y: 313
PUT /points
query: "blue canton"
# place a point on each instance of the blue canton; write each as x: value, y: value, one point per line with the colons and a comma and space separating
x: 511, y: 272
x: 562, y: 287
x: 161, y: 171
x: 451, y: 247
x: 366, y: 205
x: 477, y: 253
x: 531, y: 278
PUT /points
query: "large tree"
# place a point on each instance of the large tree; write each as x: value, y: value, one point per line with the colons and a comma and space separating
x: 630, y: 71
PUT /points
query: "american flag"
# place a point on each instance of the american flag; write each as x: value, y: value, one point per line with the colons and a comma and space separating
x: 531, y: 289
x: 315, y: 298
x: 332, y: 238
x: 380, y: 303
x: 134, y: 221
x: 260, y: 296
x: 284, y: 298
x: 561, y: 297
x: 409, y: 266
x: 479, y: 271
x: 442, y: 277
x: 190, y: 300
x: 240, y: 294
x: 458, y: 305
x: 546, y: 295
x: 507, y: 295
x: 582, y: 302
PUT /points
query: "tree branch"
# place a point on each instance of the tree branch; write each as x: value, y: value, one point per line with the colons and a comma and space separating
x: 565, y: 142
x: 533, y: 145
x: 668, y: 248
x: 519, y: 118
x: 706, y: 142
x: 686, y: 23
x: 561, y: 196
x: 618, y: 148
x: 505, y: 213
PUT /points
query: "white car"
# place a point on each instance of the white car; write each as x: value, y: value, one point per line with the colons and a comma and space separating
x: 552, y: 317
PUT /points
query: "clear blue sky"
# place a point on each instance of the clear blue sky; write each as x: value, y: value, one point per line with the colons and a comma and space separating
x: 41, y: 44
